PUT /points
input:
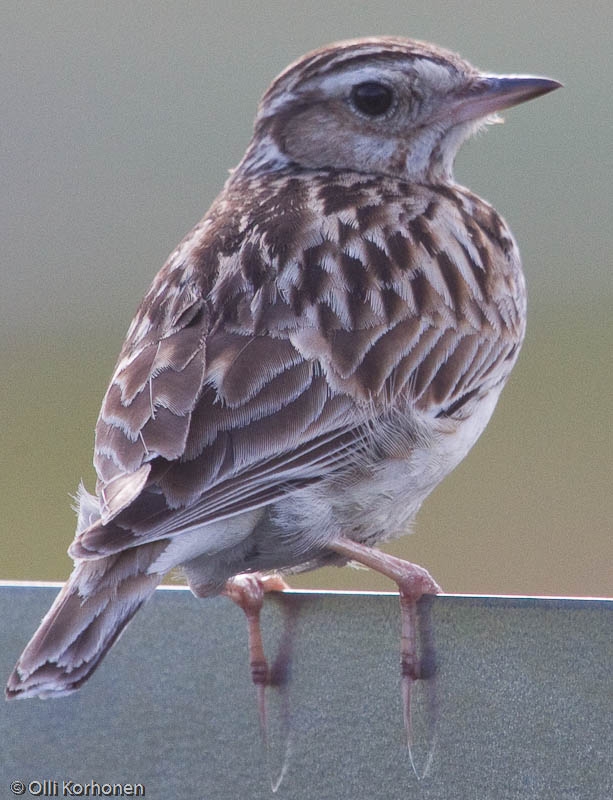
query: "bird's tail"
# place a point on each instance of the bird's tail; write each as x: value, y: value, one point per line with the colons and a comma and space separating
x: 97, y: 602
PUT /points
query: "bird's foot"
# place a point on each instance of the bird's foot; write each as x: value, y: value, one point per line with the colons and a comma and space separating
x: 413, y: 582
x: 247, y: 590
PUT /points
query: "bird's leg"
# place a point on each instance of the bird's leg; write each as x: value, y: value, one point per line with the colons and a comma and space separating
x: 413, y: 581
x: 247, y: 590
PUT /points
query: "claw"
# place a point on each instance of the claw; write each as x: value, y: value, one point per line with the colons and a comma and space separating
x: 413, y: 582
x: 417, y: 671
x: 409, y: 661
x: 247, y: 591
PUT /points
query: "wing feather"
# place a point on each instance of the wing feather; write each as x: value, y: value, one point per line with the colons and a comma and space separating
x: 255, y: 364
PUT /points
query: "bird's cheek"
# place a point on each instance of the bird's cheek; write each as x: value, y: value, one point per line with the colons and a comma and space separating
x: 305, y: 142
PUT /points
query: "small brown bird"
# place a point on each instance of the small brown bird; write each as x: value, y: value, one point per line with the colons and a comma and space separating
x: 321, y: 350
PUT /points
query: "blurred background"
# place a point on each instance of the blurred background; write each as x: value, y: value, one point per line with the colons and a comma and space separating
x: 119, y: 123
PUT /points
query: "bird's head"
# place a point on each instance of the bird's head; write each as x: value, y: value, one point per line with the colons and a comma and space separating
x: 382, y: 105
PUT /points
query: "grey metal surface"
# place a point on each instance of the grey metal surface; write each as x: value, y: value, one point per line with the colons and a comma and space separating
x: 520, y: 706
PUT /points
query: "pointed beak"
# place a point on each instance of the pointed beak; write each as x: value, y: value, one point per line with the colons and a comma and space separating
x: 491, y: 93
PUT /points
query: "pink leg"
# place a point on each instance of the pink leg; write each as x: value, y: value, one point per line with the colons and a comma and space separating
x: 247, y: 591
x: 413, y: 581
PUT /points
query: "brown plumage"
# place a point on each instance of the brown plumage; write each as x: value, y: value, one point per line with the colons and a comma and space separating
x: 315, y: 356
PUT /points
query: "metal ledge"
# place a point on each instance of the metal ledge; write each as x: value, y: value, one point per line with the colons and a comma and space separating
x: 520, y: 706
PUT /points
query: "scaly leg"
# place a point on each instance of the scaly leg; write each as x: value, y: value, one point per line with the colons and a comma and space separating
x: 413, y: 581
x: 247, y: 591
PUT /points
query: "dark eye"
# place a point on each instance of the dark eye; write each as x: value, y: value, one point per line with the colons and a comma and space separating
x: 373, y: 99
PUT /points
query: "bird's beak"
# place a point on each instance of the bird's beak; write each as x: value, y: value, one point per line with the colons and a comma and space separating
x: 491, y: 93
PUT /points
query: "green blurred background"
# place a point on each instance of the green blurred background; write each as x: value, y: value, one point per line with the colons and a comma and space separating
x: 119, y: 123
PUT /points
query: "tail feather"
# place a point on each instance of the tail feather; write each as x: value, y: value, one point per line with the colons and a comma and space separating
x: 97, y: 602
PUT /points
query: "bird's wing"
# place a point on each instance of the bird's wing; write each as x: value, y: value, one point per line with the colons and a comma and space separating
x: 237, y: 387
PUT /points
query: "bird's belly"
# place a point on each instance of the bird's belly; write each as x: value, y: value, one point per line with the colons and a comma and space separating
x: 378, y: 500
x: 372, y: 500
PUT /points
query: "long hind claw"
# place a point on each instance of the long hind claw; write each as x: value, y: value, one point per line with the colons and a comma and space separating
x: 247, y: 590
x: 413, y: 582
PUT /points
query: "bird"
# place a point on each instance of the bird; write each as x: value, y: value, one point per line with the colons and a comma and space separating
x: 312, y: 360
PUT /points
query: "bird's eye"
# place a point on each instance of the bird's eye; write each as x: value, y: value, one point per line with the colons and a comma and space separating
x: 371, y: 98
